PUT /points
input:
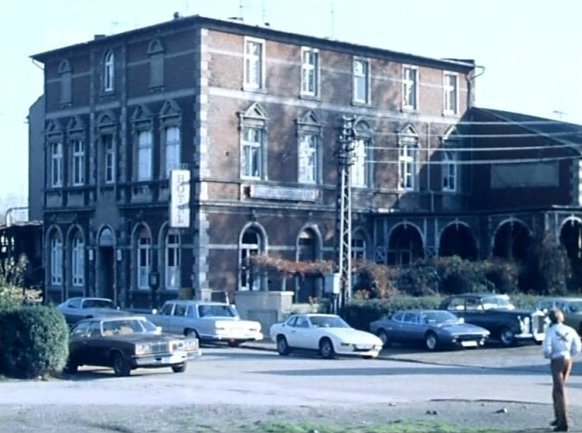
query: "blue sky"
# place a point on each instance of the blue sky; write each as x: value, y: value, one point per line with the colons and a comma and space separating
x: 531, y: 49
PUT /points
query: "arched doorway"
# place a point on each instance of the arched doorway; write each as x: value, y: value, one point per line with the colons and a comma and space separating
x: 105, y: 265
x: 511, y: 241
x: 457, y: 240
x: 404, y: 245
x: 571, y: 240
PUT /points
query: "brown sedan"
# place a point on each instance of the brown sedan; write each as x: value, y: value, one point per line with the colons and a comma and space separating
x: 127, y: 343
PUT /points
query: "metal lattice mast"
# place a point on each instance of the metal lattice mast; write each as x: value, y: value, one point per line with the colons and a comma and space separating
x: 343, y: 233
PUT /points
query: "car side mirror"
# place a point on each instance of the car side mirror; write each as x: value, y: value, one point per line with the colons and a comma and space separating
x: 154, y: 311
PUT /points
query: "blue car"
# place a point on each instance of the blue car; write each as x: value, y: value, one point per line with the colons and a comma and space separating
x: 435, y: 329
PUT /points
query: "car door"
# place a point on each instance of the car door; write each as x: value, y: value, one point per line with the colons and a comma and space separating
x: 179, y: 320
x: 414, y: 329
x: 295, y: 332
x: 307, y: 336
x: 164, y: 316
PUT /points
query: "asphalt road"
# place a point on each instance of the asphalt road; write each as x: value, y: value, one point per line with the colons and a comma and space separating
x: 258, y: 376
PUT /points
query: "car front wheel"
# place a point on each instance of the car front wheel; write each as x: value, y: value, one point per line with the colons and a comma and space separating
x: 282, y: 346
x: 326, y: 348
x: 121, y: 366
x: 431, y: 341
x: 506, y: 337
x: 180, y: 368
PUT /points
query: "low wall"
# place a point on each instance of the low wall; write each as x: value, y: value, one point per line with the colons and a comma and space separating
x: 265, y: 307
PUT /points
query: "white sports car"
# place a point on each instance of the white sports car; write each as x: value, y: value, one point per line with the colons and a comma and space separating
x: 327, y: 334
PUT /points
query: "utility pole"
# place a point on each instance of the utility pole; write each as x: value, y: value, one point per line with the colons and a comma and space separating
x: 343, y: 234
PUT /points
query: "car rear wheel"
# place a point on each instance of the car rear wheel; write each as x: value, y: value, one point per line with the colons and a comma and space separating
x: 506, y: 337
x: 180, y: 368
x: 326, y: 348
x: 431, y: 341
x: 383, y: 335
x: 282, y: 346
x: 121, y: 366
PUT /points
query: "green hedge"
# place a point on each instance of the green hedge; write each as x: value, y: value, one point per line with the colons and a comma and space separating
x: 33, y: 341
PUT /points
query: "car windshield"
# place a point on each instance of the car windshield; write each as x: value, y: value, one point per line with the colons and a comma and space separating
x: 436, y: 317
x: 128, y: 326
x: 328, y: 322
x: 497, y: 302
x: 98, y: 303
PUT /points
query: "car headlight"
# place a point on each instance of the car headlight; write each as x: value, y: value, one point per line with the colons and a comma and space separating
x: 143, y: 349
x: 524, y: 323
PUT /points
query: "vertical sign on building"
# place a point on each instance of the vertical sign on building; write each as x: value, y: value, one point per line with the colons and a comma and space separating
x: 180, y: 198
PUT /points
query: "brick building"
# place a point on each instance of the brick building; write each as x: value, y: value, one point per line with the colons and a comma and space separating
x: 253, y: 115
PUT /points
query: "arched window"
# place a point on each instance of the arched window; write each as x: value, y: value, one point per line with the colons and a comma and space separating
x: 144, y: 259
x: 109, y: 72
x: 78, y: 260
x: 172, y: 261
x: 56, y: 269
x: 361, y: 174
x: 253, y: 126
x: 251, y: 245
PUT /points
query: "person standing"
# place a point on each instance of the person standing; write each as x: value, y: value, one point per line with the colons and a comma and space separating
x: 561, y: 344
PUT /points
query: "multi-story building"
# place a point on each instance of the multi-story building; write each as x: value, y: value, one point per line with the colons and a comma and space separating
x: 251, y: 117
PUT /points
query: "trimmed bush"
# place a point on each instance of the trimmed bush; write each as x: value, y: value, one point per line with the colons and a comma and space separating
x: 33, y: 341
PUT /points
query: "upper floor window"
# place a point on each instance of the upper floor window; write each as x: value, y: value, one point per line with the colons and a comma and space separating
x: 451, y: 93
x: 410, y: 88
x: 361, y: 78
x: 449, y: 171
x: 359, y: 247
x: 408, y: 160
x: 56, y: 164
x: 144, y: 155
x: 109, y: 71
x: 309, y: 148
x: 156, y: 55
x: 254, y: 64
x: 310, y: 72
x: 172, y: 141
x: 361, y: 174
x: 253, y: 143
x: 108, y: 157
x: 78, y: 161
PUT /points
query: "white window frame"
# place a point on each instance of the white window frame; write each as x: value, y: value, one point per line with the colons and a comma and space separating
x: 450, y: 171
x: 78, y: 261
x: 56, y: 260
x: 172, y: 255
x: 310, y: 72
x: 361, y: 80
x: 109, y: 71
x: 309, y: 157
x: 450, y: 93
x: 78, y: 161
x: 359, y: 172
x: 144, y: 155
x: 408, y: 155
x: 56, y: 164
x: 144, y: 259
x: 359, y: 247
x: 247, y: 250
x: 108, y: 143
x: 252, y: 152
x: 410, y: 88
x: 172, y: 144
x: 254, y: 64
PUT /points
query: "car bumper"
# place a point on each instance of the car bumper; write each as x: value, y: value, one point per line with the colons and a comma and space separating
x: 160, y: 360
x: 234, y: 336
x: 358, y: 350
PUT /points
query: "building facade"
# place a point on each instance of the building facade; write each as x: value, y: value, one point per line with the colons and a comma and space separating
x: 251, y: 116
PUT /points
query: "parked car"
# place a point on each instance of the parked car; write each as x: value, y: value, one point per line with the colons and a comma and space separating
x: 434, y: 328
x: 126, y: 343
x: 496, y: 313
x: 571, y: 307
x: 78, y: 308
x: 208, y: 321
x: 327, y: 334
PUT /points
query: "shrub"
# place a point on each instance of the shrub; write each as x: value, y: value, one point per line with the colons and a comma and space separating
x: 33, y: 341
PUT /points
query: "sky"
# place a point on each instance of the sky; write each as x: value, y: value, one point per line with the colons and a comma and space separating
x: 531, y: 50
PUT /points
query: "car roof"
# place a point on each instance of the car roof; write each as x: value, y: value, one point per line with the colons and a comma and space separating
x: 84, y: 298
x: 559, y: 298
x: 196, y: 302
x: 480, y: 295
x: 115, y: 318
